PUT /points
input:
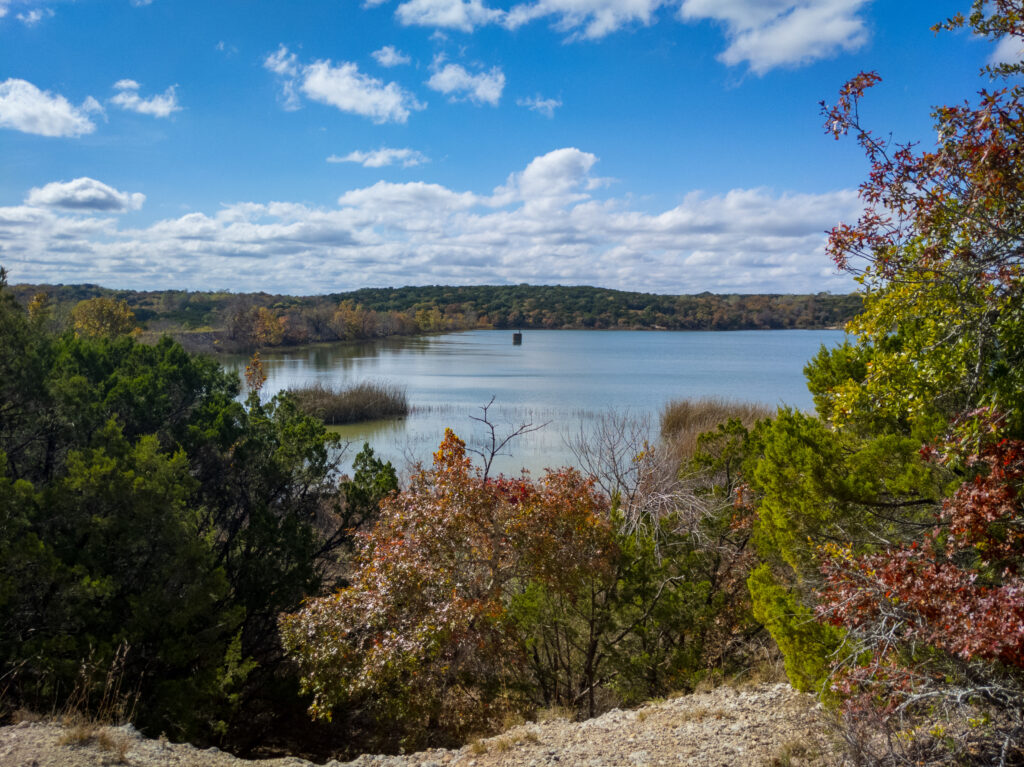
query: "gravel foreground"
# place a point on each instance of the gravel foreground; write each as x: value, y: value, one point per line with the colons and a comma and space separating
x: 763, y: 726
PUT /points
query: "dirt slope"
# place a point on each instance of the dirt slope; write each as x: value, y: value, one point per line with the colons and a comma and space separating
x: 765, y: 726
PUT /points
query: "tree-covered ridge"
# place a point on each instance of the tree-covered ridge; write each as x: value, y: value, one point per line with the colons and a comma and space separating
x: 223, y: 320
x: 558, y: 306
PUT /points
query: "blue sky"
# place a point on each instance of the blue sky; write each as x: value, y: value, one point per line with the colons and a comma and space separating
x: 668, y: 146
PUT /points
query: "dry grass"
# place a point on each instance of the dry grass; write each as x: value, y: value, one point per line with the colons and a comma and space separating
x: 682, y: 421
x: 792, y: 754
x: 554, y: 714
x: 90, y: 718
x: 86, y: 732
x: 80, y: 734
x: 700, y: 713
x: 363, y: 402
x: 24, y: 715
x: 502, y: 744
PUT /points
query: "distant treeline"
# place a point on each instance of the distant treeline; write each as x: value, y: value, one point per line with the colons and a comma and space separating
x: 240, y: 321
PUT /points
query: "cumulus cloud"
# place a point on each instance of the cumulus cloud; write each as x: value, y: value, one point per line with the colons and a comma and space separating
x: 464, y: 15
x: 766, y: 34
x: 25, y: 108
x: 84, y: 194
x: 383, y: 157
x: 163, y: 105
x: 544, y: 224
x: 545, y: 107
x: 389, y: 56
x: 457, y: 83
x: 341, y: 86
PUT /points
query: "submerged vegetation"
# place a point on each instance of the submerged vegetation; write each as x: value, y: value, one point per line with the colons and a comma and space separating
x: 362, y: 402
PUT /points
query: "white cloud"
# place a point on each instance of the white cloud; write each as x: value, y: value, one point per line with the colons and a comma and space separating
x: 25, y: 108
x: 141, y: 3
x: 282, y: 62
x: 379, y: 158
x: 545, y: 224
x: 128, y: 97
x: 84, y: 194
x: 34, y: 16
x: 342, y: 86
x: 553, y: 180
x: 3, y: 9
x: 590, y: 19
x: 545, y: 107
x: 464, y: 15
x: 767, y: 34
x: 456, y: 82
x: 349, y: 90
x: 389, y: 56
x: 764, y: 34
x: 1009, y: 50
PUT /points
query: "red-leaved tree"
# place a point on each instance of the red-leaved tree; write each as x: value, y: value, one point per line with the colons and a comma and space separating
x: 934, y: 617
x: 422, y: 638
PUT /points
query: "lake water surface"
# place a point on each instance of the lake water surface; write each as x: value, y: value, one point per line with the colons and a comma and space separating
x: 564, y: 378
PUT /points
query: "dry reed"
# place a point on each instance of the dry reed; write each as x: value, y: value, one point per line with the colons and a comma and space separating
x: 682, y: 421
x: 363, y: 402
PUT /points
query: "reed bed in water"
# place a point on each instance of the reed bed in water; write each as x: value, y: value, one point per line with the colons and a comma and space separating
x: 363, y: 402
x: 682, y: 421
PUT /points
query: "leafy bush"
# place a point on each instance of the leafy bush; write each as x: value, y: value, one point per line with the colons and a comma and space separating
x: 143, y: 507
x: 422, y: 637
x: 894, y: 519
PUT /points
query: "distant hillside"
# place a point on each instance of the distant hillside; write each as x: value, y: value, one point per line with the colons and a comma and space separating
x: 557, y: 306
x: 237, y: 321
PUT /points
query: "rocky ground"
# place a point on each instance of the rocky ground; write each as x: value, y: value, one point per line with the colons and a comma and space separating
x: 764, y: 726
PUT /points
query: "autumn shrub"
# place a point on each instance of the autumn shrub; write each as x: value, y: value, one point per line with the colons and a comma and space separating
x: 476, y: 598
x: 422, y: 637
x: 362, y: 402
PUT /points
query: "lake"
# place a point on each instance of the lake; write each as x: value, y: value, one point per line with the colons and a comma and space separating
x: 563, y: 378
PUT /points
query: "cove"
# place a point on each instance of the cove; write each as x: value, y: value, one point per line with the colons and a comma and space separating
x: 565, y: 378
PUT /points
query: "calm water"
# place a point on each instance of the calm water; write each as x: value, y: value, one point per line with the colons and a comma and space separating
x: 564, y: 378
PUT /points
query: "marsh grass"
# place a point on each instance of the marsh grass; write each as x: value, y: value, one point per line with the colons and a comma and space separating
x: 363, y: 402
x: 682, y: 421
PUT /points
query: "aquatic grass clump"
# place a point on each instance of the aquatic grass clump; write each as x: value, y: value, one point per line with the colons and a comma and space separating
x: 682, y: 421
x: 363, y: 402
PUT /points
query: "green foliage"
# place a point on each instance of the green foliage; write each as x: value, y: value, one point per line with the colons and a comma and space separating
x: 143, y: 507
x: 889, y: 524
x: 807, y: 646
x: 372, y: 481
